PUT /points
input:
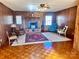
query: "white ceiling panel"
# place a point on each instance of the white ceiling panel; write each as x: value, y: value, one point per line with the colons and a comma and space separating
x: 32, y: 5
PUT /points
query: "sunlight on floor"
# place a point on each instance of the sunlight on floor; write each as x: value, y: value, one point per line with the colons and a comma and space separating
x: 47, y: 45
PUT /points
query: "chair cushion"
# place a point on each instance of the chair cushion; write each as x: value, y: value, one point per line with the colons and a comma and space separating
x: 60, y: 31
x: 13, y: 37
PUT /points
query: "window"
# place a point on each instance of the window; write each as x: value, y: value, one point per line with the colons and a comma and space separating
x: 48, y: 20
x: 60, y: 20
x: 8, y: 20
x: 18, y: 19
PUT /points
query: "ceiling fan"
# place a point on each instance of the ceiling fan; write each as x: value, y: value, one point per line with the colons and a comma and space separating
x: 43, y: 7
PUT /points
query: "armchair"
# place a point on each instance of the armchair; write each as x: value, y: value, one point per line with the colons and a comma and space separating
x: 63, y: 31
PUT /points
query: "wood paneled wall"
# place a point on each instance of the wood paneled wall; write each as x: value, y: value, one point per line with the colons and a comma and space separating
x: 39, y: 16
x: 29, y: 16
x: 76, y: 38
x: 4, y: 13
x: 68, y: 17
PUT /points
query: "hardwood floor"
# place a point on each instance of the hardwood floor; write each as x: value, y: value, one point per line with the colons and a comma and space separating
x: 62, y: 50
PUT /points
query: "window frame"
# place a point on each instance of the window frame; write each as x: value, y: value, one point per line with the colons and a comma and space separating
x: 47, y: 21
x: 20, y: 20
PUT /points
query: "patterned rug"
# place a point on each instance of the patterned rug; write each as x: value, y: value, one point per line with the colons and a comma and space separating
x: 35, y: 37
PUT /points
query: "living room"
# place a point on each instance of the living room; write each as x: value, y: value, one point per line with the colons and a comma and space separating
x: 49, y: 26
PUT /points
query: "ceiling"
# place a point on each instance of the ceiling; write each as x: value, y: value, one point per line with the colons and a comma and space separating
x: 32, y: 5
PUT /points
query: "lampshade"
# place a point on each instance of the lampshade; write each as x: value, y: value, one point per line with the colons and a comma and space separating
x: 13, y: 25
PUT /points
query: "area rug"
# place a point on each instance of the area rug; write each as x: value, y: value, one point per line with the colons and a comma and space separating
x: 35, y: 37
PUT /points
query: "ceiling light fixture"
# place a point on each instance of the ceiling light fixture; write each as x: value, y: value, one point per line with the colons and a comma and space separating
x: 43, y: 7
